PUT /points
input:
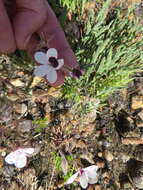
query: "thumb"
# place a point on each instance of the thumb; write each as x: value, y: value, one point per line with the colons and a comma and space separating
x: 31, y: 14
x: 7, y: 42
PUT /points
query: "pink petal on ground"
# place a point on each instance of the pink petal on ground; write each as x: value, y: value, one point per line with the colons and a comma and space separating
x: 11, y: 158
x: 92, y: 174
x: 28, y: 151
x: 84, y: 180
x: 72, y: 178
x: 21, y: 161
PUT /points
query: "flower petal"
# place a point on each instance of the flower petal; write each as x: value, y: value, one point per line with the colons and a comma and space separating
x: 52, y: 52
x: 84, y: 180
x: 61, y: 63
x: 11, y: 158
x: 72, y: 178
x: 52, y: 75
x: 28, y: 151
x: 92, y: 174
x: 21, y: 161
x: 41, y: 57
x: 42, y: 70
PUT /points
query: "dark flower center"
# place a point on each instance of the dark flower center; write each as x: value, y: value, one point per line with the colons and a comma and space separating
x: 77, y: 73
x: 53, y: 62
x: 81, y: 171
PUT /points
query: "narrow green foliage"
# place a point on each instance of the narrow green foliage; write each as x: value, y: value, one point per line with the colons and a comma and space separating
x: 40, y: 125
x: 76, y: 6
x: 58, y: 165
x: 109, y: 53
x: 22, y: 60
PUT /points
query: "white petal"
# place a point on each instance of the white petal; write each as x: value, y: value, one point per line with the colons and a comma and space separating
x: 91, y: 168
x: 52, y: 76
x: 72, y: 178
x: 93, y: 180
x: 92, y: 174
x: 41, y: 70
x: 84, y: 180
x: 11, y: 158
x: 41, y: 57
x: 52, y: 52
x: 61, y: 63
x: 21, y: 161
x: 28, y: 151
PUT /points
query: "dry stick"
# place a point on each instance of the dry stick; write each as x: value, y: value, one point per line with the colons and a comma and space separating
x: 132, y: 140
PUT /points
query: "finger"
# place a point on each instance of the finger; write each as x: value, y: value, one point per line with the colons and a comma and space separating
x: 30, y: 16
x: 56, y: 38
x: 7, y: 42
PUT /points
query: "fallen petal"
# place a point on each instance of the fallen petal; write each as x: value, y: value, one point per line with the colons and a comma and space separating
x: 11, y: 158
x: 52, y: 52
x: 92, y: 174
x: 41, y: 57
x: 72, y: 178
x: 84, y: 180
x: 28, y: 151
x: 21, y: 161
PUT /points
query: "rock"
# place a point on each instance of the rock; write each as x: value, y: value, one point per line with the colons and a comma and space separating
x: 98, y: 187
x: 140, y: 114
x: 55, y: 92
x: 20, y: 108
x: 124, y: 158
x: 17, y: 82
x: 12, y: 96
x: 6, y: 109
x: 47, y: 108
x: 139, y: 124
x: 36, y: 81
x: 137, y: 102
x: 135, y: 169
x: 108, y: 156
x: 100, y: 154
x: 24, y: 126
x: 90, y: 187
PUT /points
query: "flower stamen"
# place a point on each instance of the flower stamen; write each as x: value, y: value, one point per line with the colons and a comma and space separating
x: 53, y: 62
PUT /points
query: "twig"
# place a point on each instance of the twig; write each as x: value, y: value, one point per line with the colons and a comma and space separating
x: 132, y: 140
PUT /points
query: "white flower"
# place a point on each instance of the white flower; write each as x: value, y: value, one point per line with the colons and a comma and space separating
x: 49, y: 64
x: 86, y: 175
x: 19, y: 157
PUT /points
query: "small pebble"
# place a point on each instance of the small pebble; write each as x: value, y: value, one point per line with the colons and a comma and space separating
x: 108, y: 156
x: 100, y: 154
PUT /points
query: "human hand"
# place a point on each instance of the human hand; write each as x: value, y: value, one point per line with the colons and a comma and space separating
x: 7, y: 41
x: 36, y: 16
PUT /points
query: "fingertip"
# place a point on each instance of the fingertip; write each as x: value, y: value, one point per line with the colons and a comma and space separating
x: 7, y: 41
x: 7, y: 48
